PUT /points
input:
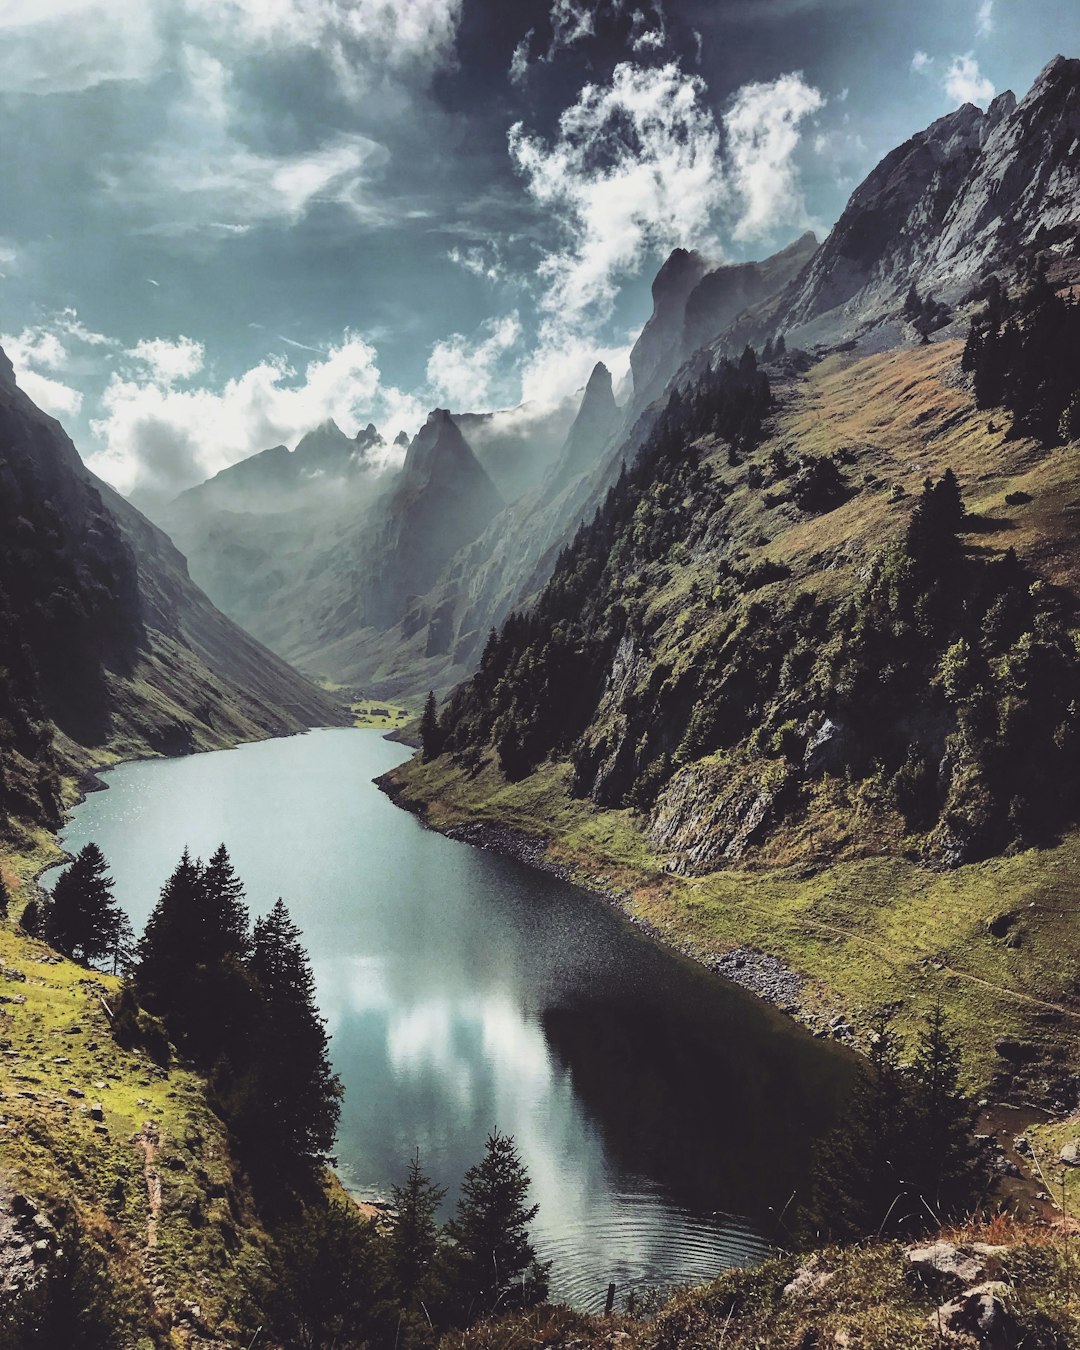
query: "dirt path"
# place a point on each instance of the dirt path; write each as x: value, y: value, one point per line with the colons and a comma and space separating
x: 148, y: 1142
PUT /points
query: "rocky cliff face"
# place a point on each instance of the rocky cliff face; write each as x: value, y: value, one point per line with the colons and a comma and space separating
x: 969, y: 194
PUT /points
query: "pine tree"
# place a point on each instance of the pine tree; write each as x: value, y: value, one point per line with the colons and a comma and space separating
x: 83, y: 919
x: 494, y: 1262
x: 860, y: 1178
x: 414, y: 1242
x: 30, y: 922
x: 430, y: 736
x: 169, y: 946
x: 5, y: 897
x: 224, y: 915
x: 298, y: 1093
x: 948, y: 1166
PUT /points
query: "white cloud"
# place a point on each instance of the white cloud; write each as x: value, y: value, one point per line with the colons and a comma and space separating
x: 482, y: 260
x: 47, y: 347
x: 635, y: 166
x: 571, y: 20
x: 157, y: 438
x: 169, y: 361
x: 53, y: 46
x: 67, y: 46
x: 965, y: 83
x: 921, y: 62
x: 201, y: 178
x: 984, y: 18
x: 763, y: 134
x: 519, y: 61
x: 462, y: 372
x: 9, y: 254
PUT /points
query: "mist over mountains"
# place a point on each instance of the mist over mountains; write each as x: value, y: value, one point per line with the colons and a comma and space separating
x: 388, y: 578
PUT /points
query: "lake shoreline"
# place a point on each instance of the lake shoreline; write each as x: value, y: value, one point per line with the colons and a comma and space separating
x: 756, y: 972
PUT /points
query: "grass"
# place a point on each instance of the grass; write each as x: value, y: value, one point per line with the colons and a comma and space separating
x: 862, y: 931
x: 377, y: 713
x: 153, y: 1179
x: 862, y: 1296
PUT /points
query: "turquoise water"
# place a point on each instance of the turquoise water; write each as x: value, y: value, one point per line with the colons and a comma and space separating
x: 665, y: 1116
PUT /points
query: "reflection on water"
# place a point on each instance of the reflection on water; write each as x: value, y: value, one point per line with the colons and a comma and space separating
x: 465, y: 992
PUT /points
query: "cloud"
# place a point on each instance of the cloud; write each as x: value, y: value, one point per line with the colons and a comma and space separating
x: 965, y: 83
x: 984, y: 19
x: 462, y: 372
x: 571, y: 20
x: 157, y: 438
x: 921, y: 62
x: 482, y: 260
x: 635, y: 166
x: 519, y: 61
x: 202, y: 179
x: 69, y: 46
x: 47, y: 347
x: 762, y: 125
x: 169, y: 361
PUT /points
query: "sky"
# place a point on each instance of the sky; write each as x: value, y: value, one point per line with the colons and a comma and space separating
x: 224, y: 221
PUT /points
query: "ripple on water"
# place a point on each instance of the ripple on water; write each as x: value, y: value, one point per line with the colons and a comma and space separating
x: 643, y: 1245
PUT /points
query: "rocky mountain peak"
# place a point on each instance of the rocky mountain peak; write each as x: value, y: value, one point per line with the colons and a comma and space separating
x: 7, y: 370
x: 680, y: 273
x: 597, y: 420
x: 970, y: 193
x: 439, y: 451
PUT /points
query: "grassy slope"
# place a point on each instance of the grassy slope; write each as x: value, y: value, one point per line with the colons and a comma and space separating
x: 832, y: 892
x: 154, y: 1182
x: 864, y: 1296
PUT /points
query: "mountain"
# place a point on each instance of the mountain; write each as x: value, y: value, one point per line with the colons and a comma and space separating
x: 110, y: 647
x: 694, y: 302
x: 517, y: 446
x: 965, y: 197
x: 819, y: 591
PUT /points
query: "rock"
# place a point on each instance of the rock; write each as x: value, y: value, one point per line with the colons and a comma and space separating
x: 1022, y: 1144
x: 978, y: 1315
x: 959, y: 1266
x: 97, y: 1111
x: 1070, y: 1154
x: 807, y: 1280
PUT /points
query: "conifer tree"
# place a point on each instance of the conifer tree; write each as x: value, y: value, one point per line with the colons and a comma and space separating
x: 493, y: 1262
x: 169, y: 946
x: 948, y: 1166
x: 5, y: 897
x: 83, y: 919
x: 225, y: 921
x: 296, y: 1088
x: 414, y: 1242
x: 430, y: 738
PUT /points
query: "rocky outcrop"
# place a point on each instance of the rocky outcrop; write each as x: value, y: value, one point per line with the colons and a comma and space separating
x: 657, y: 352
x: 597, y: 421
x: 969, y: 194
x: 711, y: 813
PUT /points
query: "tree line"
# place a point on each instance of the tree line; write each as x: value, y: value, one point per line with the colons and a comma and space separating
x: 238, y: 1000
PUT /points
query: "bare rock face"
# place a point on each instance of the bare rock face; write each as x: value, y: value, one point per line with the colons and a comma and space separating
x: 661, y: 338
x: 710, y: 814
x: 970, y: 193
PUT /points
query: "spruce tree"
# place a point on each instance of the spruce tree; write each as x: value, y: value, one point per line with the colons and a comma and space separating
x: 298, y: 1094
x: 414, y: 1242
x: 430, y: 737
x: 83, y: 919
x: 493, y: 1262
x: 5, y: 897
x: 168, y: 949
x: 948, y: 1167
x: 224, y: 915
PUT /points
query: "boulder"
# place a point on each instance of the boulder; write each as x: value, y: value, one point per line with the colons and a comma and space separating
x: 1070, y: 1154
x: 945, y: 1263
x: 981, y: 1315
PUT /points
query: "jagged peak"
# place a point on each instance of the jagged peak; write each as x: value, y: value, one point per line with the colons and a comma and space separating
x: 599, y: 380
x: 402, y: 439
x: 7, y: 370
